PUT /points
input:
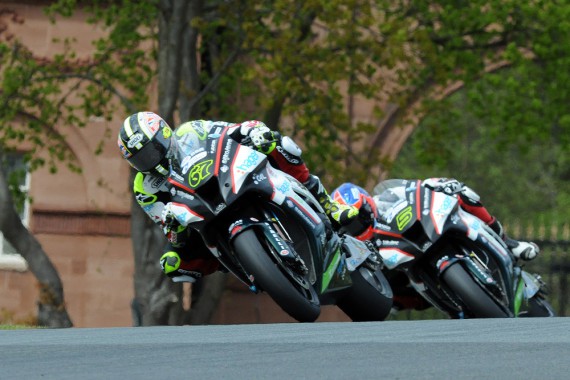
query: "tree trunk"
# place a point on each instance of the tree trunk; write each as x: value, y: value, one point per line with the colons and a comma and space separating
x: 157, y: 299
x: 207, y: 299
x: 51, y: 305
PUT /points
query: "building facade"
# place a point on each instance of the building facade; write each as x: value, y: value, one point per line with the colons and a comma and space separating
x: 82, y: 219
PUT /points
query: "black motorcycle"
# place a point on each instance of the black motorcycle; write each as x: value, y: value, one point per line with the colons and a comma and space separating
x: 452, y: 258
x: 270, y: 232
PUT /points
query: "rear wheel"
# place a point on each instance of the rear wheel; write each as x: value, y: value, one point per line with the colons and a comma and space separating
x: 293, y: 293
x: 478, y: 302
x: 369, y: 298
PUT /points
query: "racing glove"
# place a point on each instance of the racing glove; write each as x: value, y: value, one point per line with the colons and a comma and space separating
x: 262, y: 138
x: 170, y: 265
x: 171, y: 228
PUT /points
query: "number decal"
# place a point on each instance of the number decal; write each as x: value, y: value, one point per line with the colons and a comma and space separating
x: 404, y: 217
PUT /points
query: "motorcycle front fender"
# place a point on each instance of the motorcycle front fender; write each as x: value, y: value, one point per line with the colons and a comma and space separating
x: 280, y: 246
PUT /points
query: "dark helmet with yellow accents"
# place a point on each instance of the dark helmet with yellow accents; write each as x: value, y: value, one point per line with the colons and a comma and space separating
x: 145, y: 141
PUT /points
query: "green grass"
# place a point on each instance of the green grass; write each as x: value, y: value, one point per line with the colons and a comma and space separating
x: 17, y: 327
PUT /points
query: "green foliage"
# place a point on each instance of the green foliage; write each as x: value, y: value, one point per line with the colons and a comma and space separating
x: 41, y: 96
x: 514, y: 153
x: 295, y: 63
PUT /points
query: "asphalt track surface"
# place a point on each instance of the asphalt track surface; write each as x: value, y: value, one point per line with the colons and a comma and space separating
x: 441, y: 349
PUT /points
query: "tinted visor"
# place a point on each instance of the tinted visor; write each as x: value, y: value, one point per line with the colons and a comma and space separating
x: 150, y: 155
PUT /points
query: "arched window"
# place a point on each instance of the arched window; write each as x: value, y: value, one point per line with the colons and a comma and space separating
x: 16, y: 172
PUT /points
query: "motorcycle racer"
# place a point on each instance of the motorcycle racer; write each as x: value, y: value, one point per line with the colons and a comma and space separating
x: 393, y: 191
x: 150, y: 146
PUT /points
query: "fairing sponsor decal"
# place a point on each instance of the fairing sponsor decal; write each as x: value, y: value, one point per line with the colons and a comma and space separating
x: 184, y: 215
x: 441, y: 206
x: 393, y: 257
x: 245, y: 161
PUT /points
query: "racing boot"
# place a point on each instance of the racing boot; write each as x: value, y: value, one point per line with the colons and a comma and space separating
x: 339, y: 213
x: 521, y: 249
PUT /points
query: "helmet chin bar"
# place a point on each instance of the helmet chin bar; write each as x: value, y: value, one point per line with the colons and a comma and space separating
x: 160, y: 169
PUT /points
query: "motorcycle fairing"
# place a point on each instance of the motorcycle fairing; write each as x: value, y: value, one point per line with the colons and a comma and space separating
x: 334, y: 267
x: 477, y: 231
x: 531, y: 285
x: 227, y: 174
x: 286, y: 192
x: 184, y: 214
x: 394, y: 257
x: 441, y: 206
x: 245, y: 161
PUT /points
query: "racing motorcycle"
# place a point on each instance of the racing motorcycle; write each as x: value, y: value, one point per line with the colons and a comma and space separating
x: 453, y: 259
x: 268, y: 230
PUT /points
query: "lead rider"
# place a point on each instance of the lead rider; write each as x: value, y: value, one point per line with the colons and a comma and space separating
x: 150, y: 146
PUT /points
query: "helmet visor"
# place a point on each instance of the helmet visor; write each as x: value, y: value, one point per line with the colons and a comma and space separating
x: 150, y: 155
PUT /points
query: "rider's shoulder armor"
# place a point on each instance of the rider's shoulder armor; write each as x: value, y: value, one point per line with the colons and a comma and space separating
x: 151, y: 193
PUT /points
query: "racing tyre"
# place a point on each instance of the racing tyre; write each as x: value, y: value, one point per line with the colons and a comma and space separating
x: 300, y: 301
x: 370, y: 297
x: 478, y: 302
x: 538, y: 308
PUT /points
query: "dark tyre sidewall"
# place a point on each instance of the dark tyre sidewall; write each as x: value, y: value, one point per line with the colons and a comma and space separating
x: 367, y: 300
x: 477, y: 300
x: 272, y: 280
x: 540, y: 308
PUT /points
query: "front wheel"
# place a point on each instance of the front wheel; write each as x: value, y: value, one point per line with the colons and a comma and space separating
x: 369, y: 298
x: 298, y: 300
x: 538, y: 307
x: 478, y: 302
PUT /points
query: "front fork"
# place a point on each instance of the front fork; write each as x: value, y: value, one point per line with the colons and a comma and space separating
x: 285, y: 252
x: 481, y: 273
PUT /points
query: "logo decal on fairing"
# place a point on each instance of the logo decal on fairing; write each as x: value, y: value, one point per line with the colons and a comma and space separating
x: 199, y: 172
x: 249, y: 162
x: 404, y: 218
x: 393, y: 257
x: 442, y: 205
x: 284, y: 187
x: 259, y: 178
x: 244, y: 162
x: 226, y: 155
x: 188, y: 161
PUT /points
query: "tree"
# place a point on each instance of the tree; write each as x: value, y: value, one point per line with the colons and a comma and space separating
x: 508, y: 132
x: 36, y: 106
x: 25, y: 120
